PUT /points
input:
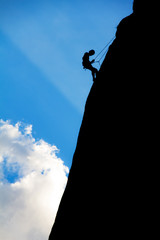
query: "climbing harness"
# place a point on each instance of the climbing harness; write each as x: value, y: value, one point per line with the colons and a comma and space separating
x: 103, y: 52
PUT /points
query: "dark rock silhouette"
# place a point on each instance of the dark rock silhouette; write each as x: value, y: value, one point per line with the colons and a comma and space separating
x: 111, y: 190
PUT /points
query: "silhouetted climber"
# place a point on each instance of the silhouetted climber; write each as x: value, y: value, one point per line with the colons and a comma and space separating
x: 87, y: 64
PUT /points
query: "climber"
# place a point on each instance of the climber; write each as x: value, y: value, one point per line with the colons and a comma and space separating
x: 87, y: 64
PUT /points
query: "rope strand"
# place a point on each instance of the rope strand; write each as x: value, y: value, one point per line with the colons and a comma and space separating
x: 103, y: 50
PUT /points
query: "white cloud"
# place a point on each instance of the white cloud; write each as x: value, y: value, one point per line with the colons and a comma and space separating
x: 28, y: 205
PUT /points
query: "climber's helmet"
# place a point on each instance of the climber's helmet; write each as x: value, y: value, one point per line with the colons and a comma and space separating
x: 91, y: 52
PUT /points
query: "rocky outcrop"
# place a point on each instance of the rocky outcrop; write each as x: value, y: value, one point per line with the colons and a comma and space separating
x: 111, y: 187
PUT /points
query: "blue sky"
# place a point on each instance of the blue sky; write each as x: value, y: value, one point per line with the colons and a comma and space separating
x: 43, y: 89
x: 41, y: 45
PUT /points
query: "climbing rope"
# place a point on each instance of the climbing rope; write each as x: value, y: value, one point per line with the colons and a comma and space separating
x: 104, y: 51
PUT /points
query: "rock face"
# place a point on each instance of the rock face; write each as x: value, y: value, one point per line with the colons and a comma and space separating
x: 111, y: 188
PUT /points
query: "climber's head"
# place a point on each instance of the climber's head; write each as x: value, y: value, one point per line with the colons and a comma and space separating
x: 91, y: 52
